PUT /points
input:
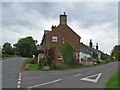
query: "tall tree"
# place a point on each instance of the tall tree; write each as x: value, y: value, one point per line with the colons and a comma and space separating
x: 26, y: 46
x: 7, y: 48
x: 116, y: 52
x: 104, y: 56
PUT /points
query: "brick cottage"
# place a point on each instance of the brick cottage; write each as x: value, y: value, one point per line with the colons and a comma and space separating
x: 58, y: 36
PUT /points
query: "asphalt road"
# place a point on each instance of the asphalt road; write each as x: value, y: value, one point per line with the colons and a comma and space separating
x: 10, y: 72
x: 70, y: 78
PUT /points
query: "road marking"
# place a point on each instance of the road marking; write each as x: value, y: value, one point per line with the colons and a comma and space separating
x: 18, y: 86
x: 45, y: 83
x: 52, y: 81
x: 19, y: 80
x: 20, y: 75
x: 92, y: 80
x: 77, y: 75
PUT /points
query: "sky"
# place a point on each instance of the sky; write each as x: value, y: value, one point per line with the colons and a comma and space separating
x: 90, y: 20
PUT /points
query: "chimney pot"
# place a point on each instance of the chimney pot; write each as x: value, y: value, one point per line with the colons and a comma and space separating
x: 90, y: 43
x: 53, y: 26
x: 63, y: 19
x: 97, y: 46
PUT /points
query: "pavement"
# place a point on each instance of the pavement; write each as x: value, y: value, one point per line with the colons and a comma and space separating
x: 11, y: 69
x: 92, y: 77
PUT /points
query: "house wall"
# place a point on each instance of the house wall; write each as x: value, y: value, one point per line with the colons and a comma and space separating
x: 57, y: 53
x: 54, y: 53
x: 63, y: 33
x: 82, y: 55
x: 66, y: 33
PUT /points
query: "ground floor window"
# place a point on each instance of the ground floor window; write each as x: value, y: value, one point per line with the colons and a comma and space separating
x: 76, y: 55
x: 59, y: 56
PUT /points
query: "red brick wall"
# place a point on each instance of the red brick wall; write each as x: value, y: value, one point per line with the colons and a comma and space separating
x: 63, y: 31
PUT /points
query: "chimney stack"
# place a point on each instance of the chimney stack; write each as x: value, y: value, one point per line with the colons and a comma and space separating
x: 90, y: 43
x: 97, y: 46
x: 63, y: 19
x: 53, y: 26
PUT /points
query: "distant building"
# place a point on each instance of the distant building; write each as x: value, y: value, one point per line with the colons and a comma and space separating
x: 88, y: 51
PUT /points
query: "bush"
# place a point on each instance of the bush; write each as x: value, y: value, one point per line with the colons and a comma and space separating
x: 68, y: 54
x: 42, y: 63
x: 6, y: 55
x: 31, y: 61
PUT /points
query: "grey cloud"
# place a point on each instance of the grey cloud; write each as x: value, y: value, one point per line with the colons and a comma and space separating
x: 23, y: 17
x: 106, y: 12
x: 86, y: 13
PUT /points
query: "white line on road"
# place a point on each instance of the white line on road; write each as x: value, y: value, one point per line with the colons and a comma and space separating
x: 53, y: 81
x: 77, y: 75
x: 20, y: 75
x: 72, y: 76
x: 19, y: 80
x: 92, y: 80
x: 18, y: 86
x: 45, y: 83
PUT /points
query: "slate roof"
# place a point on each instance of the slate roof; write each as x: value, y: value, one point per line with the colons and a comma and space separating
x: 87, y: 49
x: 46, y: 31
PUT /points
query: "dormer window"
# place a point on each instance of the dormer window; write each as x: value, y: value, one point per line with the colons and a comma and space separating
x: 54, y: 38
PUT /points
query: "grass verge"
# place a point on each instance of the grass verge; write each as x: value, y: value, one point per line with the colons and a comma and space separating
x: 8, y: 57
x: 65, y: 67
x: 29, y: 65
x: 114, y: 81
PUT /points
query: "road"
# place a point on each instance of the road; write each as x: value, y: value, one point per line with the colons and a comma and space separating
x: 93, y: 77
x: 10, y: 72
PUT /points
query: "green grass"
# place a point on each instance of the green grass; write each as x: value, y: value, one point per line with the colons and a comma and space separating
x: 8, y: 57
x: 31, y: 66
x: 113, y: 81
x: 65, y: 67
x: 34, y: 67
x: 29, y: 63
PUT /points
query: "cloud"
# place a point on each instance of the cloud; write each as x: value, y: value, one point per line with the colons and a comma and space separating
x: 102, y: 34
x: 90, y: 20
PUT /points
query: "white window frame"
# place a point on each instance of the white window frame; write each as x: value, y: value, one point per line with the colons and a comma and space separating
x: 54, y: 38
x: 60, y: 56
x: 76, y: 55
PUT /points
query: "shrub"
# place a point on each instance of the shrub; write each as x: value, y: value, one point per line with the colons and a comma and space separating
x: 31, y: 61
x: 42, y: 63
x: 68, y: 54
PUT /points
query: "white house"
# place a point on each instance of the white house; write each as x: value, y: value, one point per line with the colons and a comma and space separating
x: 87, y: 51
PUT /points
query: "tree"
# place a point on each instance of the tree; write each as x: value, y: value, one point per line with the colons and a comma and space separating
x: 116, y: 52
x: 68, y: 54
x: 104, y: 56
x: 15, y: 50
x: 7, y: 48
x: 26, y: 46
